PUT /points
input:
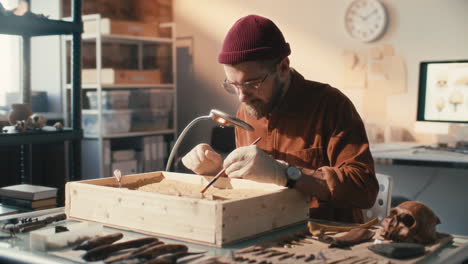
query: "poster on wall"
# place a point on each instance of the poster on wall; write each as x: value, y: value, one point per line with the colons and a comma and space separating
x: 443, y: 91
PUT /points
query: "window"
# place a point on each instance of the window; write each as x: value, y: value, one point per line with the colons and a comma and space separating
x: 9, y: 65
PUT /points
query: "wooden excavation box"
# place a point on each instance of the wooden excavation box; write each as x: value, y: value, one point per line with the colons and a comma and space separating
x: 231, y: 210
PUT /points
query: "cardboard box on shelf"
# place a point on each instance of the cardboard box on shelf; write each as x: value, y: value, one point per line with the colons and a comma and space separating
x: 121, y: 27
x: 154, y: 11
x: 165, y: 32
x: 115, y: 9
x: 114, y: 76
x: 160, y: 57
x: 147, y: 11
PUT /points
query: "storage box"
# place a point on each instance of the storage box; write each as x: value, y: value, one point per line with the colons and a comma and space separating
x: 122, y: 27
x: 161, y: 100
x: 110, y: 99
x: 211, y: 222
x: 147, y: 120
x: 117, y: 9
x: 139, y: 99
x: 114, y: 76
x: 113, y: 122
x: 157, y: 99
x: 159, y: 56
x: 154, y: 10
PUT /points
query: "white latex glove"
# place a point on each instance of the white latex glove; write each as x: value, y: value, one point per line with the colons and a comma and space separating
x: 203, y: 160
x: 252, y: 163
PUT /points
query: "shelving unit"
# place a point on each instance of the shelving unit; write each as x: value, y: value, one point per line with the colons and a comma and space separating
x: 27, y: 27
x: 30, y: 26
x: 98, y: 146
x: 125, y: 86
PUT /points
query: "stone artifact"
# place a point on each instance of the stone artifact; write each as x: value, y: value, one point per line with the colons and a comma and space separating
x: 398, y: 250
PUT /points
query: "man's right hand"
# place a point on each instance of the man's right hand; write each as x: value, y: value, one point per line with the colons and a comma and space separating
x: 203, y: 160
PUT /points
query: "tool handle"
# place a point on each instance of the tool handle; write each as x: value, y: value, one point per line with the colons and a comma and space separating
x: 221, y: 173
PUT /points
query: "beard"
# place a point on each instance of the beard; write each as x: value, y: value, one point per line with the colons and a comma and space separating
x: 258, y: 108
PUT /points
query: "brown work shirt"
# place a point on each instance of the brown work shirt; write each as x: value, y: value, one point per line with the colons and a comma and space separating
x: 317, y: 128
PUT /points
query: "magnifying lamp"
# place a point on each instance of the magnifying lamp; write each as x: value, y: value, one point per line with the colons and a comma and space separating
x: 219, y: 116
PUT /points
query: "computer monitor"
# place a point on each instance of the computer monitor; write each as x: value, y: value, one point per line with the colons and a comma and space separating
x: 443, y: 91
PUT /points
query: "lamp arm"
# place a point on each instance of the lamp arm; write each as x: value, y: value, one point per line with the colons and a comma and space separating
x: 181, y: 136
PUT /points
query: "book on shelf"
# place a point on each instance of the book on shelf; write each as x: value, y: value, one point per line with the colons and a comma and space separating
x: 44, y: 207
x: 29, y: 204
x: 28, y: 192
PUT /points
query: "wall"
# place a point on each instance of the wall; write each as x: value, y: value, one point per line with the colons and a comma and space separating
x: 419, y: 30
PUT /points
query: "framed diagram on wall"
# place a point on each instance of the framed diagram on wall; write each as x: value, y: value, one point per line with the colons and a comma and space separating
x: 443, y: 91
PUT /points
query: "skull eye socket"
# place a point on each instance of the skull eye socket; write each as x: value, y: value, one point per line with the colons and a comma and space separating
x: 393, y: 212
x: 407, y: 220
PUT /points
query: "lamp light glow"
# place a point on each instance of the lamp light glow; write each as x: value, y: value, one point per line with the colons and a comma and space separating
x: 215, y: 115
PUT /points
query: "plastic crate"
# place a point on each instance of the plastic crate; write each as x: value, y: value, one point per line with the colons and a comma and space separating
x: 113, y: 122
x: 139, y: 99
x: 161, y: 100
x: 148, y: 120
x: 110, y: 99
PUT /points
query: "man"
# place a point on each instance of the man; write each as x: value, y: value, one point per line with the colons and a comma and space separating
x: 313, y: 139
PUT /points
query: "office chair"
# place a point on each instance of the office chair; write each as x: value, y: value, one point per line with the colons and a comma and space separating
x: 382, y: 204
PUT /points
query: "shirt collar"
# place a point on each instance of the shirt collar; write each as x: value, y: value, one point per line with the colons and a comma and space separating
x: 287, y: 105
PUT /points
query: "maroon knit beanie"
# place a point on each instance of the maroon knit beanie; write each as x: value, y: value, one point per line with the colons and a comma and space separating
x: 253, y: 38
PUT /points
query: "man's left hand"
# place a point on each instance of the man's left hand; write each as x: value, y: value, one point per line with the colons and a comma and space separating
x: 252, y: 163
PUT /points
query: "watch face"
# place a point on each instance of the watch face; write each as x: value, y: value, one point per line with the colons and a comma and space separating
x: 366, y: 20
x: 293, y: 173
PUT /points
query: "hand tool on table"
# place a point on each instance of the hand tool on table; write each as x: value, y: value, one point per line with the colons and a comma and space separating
x: 317, y: 225
x: 221, y: 173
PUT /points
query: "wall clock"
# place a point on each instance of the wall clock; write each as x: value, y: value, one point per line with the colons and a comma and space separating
x: 366, y: 20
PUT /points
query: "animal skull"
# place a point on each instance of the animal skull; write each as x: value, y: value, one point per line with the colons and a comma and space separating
x: 38, y: 121
x: 411, y: 222
x: 21, y: 126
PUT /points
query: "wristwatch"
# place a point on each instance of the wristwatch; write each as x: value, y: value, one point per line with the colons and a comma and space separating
x: 292, y: 174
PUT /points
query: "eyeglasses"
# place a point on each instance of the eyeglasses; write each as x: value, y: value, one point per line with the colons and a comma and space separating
x: 233, y: 88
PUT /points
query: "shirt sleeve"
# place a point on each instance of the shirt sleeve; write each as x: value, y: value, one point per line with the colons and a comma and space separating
x: 351, y: 175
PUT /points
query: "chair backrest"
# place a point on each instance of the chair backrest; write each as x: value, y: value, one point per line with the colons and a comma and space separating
x: 382, y: 204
